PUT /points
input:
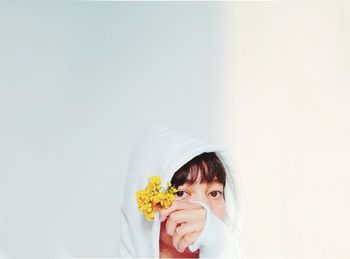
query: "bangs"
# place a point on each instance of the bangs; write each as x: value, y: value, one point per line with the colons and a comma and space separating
x: 207, y: 166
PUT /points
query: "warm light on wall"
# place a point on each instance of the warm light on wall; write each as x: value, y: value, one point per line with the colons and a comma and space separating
x: 285, y: 100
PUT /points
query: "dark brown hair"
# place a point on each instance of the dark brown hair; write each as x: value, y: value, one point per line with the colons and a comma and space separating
x: 206, y: 165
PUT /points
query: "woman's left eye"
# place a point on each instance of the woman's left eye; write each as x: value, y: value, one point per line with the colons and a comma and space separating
x: 215, y: 194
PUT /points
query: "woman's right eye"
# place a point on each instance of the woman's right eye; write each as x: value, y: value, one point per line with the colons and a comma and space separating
x: 181, y: 194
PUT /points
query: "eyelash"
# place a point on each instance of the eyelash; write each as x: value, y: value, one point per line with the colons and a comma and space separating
x: 184, y: 192
x: 219, y: 192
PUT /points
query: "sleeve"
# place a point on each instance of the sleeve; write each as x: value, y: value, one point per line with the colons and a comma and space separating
x: 215, y: 240
x: 126, y: 246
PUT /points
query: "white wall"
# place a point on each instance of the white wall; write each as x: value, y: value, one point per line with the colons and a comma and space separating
x: 79, y: 81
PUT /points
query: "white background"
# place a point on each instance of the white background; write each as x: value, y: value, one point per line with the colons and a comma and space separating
x: 80, y: 80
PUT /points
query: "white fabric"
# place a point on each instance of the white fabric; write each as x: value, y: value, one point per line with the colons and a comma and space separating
x: 161, y: 151
x: 215, y: 239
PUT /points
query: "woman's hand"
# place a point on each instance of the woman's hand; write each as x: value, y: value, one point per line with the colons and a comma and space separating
x: 185, y: 221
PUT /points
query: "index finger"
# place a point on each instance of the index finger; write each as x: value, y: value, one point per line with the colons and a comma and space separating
x: 177, y: 205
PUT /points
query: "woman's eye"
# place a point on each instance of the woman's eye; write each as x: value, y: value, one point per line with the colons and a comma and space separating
x: 215, y: 194
x: 181, y: 194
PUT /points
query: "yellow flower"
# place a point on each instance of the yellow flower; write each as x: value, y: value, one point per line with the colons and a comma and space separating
x: 156, y: 180
x: 154, y: 198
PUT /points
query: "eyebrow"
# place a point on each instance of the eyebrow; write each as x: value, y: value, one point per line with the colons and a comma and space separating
x: 215, y: 182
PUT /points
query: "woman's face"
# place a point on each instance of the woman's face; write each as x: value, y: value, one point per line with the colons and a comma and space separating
x: 212, y: 194
x: 209, y: 193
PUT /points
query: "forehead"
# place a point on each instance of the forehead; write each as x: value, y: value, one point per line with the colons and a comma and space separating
x: 198, y: 182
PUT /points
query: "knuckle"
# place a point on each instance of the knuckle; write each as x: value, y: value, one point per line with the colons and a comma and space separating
x: 188, y: 239
x: 172, y: 217
x: 168, y: 231
x: 179, y: 231
x: 182, y: 245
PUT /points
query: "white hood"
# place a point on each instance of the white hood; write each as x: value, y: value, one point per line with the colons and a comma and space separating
x: 161, y: 151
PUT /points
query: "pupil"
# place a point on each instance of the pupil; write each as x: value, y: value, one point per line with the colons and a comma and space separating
x: 214, y: 194
x: 180, y: 193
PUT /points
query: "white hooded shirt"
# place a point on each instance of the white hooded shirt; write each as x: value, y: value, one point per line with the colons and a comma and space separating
x: 161, y: 152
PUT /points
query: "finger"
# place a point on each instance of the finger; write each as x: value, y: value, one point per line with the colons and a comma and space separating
x: 177, y: 205
x: 183, y: 230
x: 170, y: 226
x: 186, y: 216
x: 187, y: 240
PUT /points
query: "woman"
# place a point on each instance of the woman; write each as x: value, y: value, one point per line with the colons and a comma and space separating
x: 202, y: 221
